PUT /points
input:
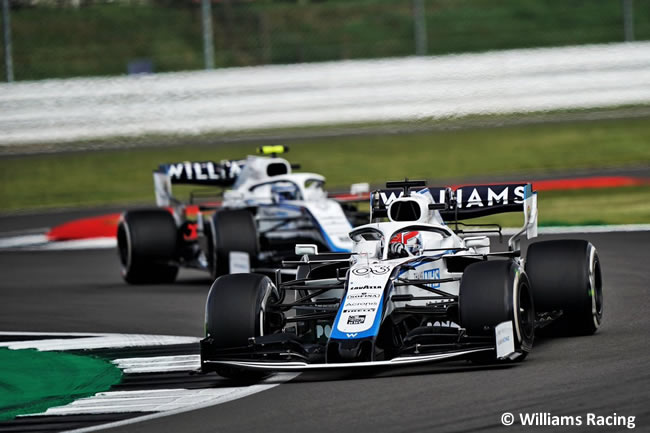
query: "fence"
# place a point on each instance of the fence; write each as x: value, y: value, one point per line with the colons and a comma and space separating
x: 65, y: 38
x: 254, y: 98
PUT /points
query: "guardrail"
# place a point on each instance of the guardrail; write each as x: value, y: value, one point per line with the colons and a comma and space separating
x: 267, y: 97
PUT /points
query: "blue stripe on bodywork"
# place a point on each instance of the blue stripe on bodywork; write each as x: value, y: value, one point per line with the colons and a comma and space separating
x: 370, y: 332
x: 424, y: 261
x: 374, y: 329
x: 322, y: 231
x: 528, y: 191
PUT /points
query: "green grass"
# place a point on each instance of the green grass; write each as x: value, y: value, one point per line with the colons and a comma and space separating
x: 32, y: 381
x: 124, y: 176
x: 101, y: 39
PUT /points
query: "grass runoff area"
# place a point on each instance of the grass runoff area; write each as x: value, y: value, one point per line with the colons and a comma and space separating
x: 32, y: 381
x: 101, y: 39
x: 96, y: 178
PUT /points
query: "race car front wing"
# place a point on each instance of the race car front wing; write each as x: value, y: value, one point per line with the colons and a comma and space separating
x: 303, y: 366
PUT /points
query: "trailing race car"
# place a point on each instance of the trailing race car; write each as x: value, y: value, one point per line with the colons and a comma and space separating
x: 266, y: 211
x: 417, y: 288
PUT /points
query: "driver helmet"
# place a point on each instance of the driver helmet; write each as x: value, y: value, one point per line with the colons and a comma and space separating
x: 412, y: 241
x: 283, y: 192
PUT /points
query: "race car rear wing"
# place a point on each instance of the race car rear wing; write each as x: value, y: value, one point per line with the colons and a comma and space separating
x: 469, y: 201
x: 207, y: 173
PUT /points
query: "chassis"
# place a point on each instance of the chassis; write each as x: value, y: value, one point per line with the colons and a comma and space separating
x: 384, y: 305
x: 252, y: 223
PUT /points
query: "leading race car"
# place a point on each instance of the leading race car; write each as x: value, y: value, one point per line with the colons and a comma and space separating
x: 417, y: 287
x: 264, y: 213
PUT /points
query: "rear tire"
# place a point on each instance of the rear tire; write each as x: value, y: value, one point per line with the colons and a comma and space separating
x: 234, y: 313
x: 231, y: 230
x: 497, y: 291
x: 566, y: 275
x: 147, y: 242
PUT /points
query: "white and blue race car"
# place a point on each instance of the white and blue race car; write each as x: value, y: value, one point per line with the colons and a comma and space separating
x: 249, y: 217
x: 417, y: 287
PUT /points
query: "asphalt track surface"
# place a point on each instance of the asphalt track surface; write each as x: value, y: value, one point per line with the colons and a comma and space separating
x: 81, y: 291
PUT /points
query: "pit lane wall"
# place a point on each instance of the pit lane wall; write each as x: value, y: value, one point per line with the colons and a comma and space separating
x: 331, y: 93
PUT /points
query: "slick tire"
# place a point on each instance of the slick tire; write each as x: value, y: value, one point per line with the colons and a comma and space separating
x: 147, y: 242
x: 231, y: 230
x: 497, y: 291
x: 566, y: 275
x: 234, y: 313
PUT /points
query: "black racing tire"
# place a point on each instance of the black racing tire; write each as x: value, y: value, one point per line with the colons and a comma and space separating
x: 566, y: 275
x: 234, y: 313
x: 147, y: 243
x: 497, y: 291
x: 231, y: 230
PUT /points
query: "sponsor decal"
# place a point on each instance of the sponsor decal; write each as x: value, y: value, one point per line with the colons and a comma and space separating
x: 362, y: 304
x: 363, y: 299
x: 356, y: 319
x: 432, y: 274
x: 388, y: 199
x: 363, y: 295
x: 468, y: 197
x: 360, y: 310
x: 239, y: 262
x: 366, y: 288
x: 374, y: 269
x: 446, y: 324
x: 224, y: 172
x: 505, y: 339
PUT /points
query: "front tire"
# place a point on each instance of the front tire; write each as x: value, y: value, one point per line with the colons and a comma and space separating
x: 234, y: 313
x: 147, y: 242
x: 497, y: 291
x: 566, y: 276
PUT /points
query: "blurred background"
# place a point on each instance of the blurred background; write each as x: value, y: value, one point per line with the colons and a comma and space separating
x: 99, y: 92
x: 68, y: 38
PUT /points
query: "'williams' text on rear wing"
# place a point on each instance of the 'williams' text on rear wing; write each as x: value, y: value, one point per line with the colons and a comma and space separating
x: 208, y: 173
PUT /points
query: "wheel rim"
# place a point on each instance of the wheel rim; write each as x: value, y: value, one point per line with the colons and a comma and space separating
x: 526, y: 315
x: 212, y: 249
x: 123, y: 242
x: 596, y: 289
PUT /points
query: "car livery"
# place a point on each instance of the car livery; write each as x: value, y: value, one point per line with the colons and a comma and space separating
x: 418, y: 286
x: 248, y: 216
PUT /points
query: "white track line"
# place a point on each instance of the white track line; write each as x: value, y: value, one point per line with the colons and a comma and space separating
x: 49, y: 334
x: 41, y: 242
x: 23, y: 241
x: 192, y: 399
x: 82, y: 244
x: 164, y: 402
x: 159, y: 364
x: 160, y: 400
x: 104, y: 341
